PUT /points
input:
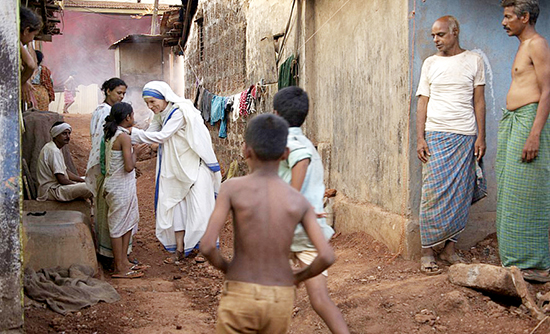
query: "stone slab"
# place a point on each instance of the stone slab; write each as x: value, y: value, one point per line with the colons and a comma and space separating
x: 58, y: 238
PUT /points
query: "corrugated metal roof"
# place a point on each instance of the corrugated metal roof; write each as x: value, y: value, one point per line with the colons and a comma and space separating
x: 137, y: 38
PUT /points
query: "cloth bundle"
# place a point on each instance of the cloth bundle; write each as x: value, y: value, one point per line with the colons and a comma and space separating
x: 67, y: 290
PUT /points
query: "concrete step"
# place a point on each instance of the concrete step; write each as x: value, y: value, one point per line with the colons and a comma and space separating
x: 58, y: 238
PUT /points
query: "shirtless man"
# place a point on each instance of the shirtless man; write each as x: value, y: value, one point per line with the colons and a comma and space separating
x: 258, y: 293
x: 523, y: 153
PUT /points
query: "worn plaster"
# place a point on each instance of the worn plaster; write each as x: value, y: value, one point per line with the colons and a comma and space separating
x: 11, y: 311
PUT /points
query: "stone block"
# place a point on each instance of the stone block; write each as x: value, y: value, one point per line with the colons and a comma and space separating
x: 58, y: 238
x: 82, y: 206
x: 483, y: 277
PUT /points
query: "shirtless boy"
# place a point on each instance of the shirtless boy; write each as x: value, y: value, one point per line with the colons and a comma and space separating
x: 258, y: 293
x: 523, y: 152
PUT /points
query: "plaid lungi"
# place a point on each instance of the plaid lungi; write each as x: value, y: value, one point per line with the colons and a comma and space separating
x: 523, y: 197
x: 448, y: 180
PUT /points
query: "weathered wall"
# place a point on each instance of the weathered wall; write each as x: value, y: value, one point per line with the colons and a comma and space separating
x: 358, y: 88
x: 360, y: 62
x: 153, y: 63
x: 357, y: 77
x: 11, y: 308
x: 481, y: 31
x: 222, y: 67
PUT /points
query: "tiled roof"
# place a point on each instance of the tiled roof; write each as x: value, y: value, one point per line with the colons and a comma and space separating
x: 111, y: 5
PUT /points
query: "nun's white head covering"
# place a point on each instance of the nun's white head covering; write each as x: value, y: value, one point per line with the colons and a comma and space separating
x: 161, y: 90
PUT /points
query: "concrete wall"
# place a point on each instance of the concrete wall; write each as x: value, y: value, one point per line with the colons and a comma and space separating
x: 482, y: 32
x: 137, y: 64
x: 11, y: 293
x: 357, y: 77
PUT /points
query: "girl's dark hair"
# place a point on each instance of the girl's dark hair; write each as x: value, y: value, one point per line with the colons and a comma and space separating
x: 29, y: 19
x: 112, y: 84
x: 119, y: 112
x: 39, y: 56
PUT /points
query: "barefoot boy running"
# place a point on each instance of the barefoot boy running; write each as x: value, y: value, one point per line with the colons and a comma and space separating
x: 258, y: 294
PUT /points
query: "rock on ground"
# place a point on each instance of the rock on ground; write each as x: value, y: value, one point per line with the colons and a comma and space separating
x: 484, y: 277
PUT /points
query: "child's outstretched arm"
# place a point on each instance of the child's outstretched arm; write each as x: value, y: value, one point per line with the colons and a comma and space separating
x: 325, y: 257
x: 215, y: 225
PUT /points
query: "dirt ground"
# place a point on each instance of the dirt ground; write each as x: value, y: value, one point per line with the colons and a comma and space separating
x: 375, y: 293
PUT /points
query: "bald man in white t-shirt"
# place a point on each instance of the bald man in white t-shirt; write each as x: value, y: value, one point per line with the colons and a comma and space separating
x: 450, y: 136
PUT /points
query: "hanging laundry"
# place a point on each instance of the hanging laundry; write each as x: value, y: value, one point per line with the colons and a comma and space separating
x: 242, y: 103
x: 253, y: 99
x: 206, y: 105
x: 288, y: 72
x: 197, y: 99
x: 228, y: 106
x: 250, y: 100
x: 218, y: 114
x: 236, y: 104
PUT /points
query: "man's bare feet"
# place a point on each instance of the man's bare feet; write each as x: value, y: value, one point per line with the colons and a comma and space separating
x: 536, y: 275
x: 450, y: 259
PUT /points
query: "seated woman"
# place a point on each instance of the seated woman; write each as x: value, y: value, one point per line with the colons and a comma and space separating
x: 188, y: 174
x: 120, y: 187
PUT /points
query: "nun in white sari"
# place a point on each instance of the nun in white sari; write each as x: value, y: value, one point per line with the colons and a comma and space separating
x: 188, y: 174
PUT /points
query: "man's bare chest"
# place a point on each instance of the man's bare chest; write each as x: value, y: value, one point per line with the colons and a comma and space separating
x: 523, y: 65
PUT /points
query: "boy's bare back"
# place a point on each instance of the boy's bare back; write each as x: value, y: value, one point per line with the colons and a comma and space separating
x: 266, y: 211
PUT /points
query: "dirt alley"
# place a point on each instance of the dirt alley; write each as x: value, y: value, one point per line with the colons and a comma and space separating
x: 374, y: 293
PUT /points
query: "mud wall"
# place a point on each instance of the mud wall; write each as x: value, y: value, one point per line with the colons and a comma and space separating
x: 356, y: 71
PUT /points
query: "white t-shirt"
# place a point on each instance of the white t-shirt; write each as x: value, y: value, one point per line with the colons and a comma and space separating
x: 449, y: 84
x: 50, y: 162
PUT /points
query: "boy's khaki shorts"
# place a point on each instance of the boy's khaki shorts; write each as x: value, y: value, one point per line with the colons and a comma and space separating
x: 254, y: 308
x: 306, y: 257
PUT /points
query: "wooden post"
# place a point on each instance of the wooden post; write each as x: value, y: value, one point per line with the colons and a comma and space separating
x: 155, y: 20
x: 11, y: 303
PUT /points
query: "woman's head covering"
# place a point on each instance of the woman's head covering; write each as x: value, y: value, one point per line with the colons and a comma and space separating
x: 161, y: 90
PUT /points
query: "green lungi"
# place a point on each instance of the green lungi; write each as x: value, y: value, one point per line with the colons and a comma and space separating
x: 523, y: 200
x: 101, y: 224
